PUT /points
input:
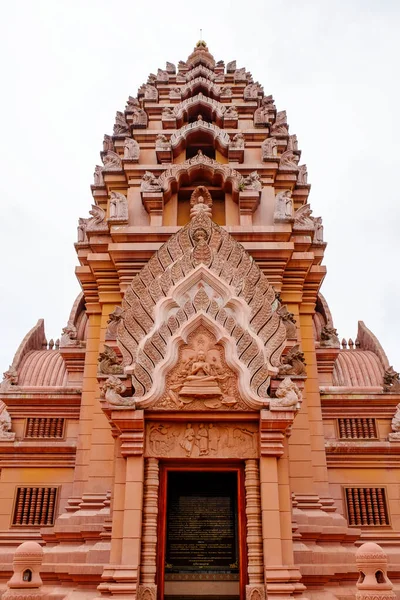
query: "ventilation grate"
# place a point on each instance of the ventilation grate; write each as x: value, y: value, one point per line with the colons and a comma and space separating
x: 35, y: 506
x: 43, y: 427
x: 357, y: 429
x: 366, y: 506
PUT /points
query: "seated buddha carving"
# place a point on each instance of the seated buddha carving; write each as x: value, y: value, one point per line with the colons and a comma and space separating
x: 200, y: 381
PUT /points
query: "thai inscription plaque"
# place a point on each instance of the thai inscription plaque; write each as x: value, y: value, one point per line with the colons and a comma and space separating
x: 202, y: 523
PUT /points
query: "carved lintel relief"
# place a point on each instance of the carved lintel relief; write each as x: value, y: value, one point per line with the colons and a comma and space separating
x: 201, y: 440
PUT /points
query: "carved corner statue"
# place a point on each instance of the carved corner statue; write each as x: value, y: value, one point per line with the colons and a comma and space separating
x: 391, y: 381
x: 131, y: 149
x: 109, y: 363
x: 395, y: 436
x: 287, y: 396
x: 252, y: 182
x: 69, y: 336
x: 289, y: 321
x: 329, y: 337
x: 111, y: 392
x: 150, y: 183
x: 5, y: 424
x: 237, y: 141
x: 98, y: 176
x: 293, y: 363
x: 10, y: 377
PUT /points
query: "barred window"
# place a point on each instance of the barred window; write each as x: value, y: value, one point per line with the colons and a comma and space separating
x: 35, y: 506
x: 44, y: 427
x: 366, y: 506
x: 354, y: 428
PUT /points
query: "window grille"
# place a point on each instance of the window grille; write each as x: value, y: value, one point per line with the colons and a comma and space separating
x: 44, y: 427
x: 35, y: 506
x: 366, y: 506
x: 357, y: 429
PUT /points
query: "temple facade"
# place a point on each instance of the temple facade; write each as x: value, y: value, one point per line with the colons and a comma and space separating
x: 198, y: 430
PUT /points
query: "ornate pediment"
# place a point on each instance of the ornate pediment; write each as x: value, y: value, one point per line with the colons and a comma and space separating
x: 201, y: 279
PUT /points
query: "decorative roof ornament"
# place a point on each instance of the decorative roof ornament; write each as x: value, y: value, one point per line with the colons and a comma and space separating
x: 131, y: 149
x: 131, y: 104
x: 98, y: 176
x: 121, y: 127
x: 201, y: 55
x: 111, y: 161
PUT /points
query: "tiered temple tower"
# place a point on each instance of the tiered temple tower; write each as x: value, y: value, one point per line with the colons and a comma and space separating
x: 199, y: 430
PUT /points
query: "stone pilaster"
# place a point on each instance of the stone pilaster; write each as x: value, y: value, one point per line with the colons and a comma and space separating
x: 255, y: 590
x: 147, y: 587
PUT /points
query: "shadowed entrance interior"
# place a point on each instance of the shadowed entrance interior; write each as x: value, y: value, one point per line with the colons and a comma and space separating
x: 202, y: 546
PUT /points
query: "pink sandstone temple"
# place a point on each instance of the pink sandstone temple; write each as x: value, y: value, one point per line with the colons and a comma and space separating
x: 198, y: 431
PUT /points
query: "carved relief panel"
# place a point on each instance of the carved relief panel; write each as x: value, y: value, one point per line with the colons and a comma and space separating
x: 200, y: 440
x: 201, y: 379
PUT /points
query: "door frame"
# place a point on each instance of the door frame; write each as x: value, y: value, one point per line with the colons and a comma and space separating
x: 195, y: 465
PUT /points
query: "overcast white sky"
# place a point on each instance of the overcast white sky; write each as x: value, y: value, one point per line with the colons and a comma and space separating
x: 67, y: 66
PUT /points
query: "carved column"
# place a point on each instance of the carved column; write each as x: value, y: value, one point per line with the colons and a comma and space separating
x: 121, y: 577
x: 148, y: 588
x: 255, y: 589
x: 282, y: 580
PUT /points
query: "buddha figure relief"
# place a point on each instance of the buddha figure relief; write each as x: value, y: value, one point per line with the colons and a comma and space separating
x: 201, y: 375
x: 200, y: 201
x: 200, y: 382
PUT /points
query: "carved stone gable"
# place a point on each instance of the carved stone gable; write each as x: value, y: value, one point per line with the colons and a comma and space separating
x: 200, y: 277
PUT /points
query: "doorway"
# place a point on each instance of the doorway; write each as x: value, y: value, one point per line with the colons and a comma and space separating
x: 203, y: 555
